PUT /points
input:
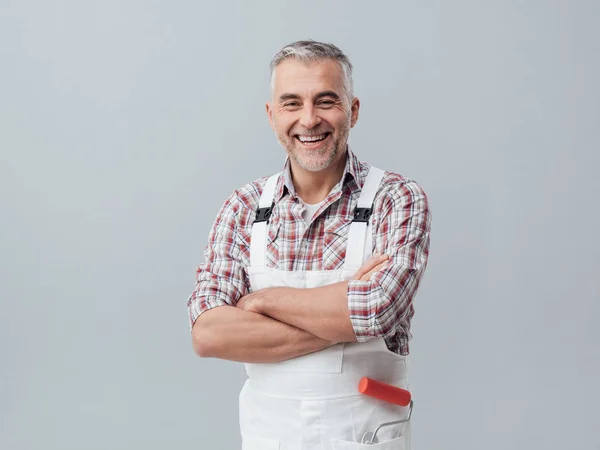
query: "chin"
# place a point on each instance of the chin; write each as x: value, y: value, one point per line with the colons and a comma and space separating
x: 316, y: 164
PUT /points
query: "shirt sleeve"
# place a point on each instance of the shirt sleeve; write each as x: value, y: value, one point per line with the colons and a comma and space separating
x: 221, y: 279
x: 379, y: 306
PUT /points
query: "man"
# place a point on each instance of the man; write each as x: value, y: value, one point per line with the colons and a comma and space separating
x: 309, y: 274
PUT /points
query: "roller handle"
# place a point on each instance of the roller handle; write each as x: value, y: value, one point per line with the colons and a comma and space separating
x: 384, y: 391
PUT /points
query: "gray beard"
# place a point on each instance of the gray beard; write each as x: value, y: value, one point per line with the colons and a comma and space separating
x: 337, y: 146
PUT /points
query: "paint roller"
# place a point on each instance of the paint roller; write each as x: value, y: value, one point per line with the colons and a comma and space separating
x: 384, y: 391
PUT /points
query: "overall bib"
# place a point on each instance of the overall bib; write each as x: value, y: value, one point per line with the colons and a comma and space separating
x: 312, y: 402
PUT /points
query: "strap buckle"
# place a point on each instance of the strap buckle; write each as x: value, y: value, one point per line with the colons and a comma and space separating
x: 362, y: 214
x: 264, y: 214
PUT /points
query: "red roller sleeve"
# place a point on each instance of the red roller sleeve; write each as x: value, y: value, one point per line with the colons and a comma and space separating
x: 383, y: 391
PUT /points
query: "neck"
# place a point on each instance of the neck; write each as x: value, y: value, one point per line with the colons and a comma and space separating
x: 313, y: 187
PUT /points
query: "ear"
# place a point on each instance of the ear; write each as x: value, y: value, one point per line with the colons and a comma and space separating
x: 269, y: 109
x: 354, y: 108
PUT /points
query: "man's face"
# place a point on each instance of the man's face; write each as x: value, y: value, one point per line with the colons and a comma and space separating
x: 310, y: 112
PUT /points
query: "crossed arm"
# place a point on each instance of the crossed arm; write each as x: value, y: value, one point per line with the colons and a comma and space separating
x: 279, y: 323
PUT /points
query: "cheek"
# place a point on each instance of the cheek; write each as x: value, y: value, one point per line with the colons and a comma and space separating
x: 340, y: 120
x: 283, y: 125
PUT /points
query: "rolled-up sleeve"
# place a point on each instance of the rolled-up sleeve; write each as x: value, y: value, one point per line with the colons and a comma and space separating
x: 380, y: 306
x: 221, y: 279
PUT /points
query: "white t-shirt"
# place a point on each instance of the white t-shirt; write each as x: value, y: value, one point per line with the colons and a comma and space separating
x: 310, y: 211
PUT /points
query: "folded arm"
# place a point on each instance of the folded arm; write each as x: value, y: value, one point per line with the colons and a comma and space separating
x: 231, y: 333
x: 358, y: 310
x: 221, y: 330
x: 279, y: 323
x: 321, y: 311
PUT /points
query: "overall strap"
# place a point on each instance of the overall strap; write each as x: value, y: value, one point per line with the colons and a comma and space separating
x: 258, y: 240
x: 360, y: 236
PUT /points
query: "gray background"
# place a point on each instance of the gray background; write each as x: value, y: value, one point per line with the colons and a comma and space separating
x: 124, y: 125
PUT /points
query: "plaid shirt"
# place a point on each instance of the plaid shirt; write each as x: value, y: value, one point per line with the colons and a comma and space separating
x: 381, y: 307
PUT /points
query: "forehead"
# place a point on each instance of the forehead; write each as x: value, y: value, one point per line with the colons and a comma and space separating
x: 299, y: 77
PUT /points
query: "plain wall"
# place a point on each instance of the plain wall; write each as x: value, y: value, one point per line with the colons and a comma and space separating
x: 124, y: 125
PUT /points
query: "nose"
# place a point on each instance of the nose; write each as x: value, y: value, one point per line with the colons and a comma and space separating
x: 309, y: 118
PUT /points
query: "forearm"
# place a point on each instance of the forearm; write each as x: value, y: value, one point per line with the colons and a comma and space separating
x: 230, y: 333
x: 321, y: 311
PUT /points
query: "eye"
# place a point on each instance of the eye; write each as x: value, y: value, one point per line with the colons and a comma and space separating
x: 291, y: 104
x: 326, y: 103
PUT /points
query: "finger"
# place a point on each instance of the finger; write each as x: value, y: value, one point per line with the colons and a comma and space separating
x: 373, y: 261
x: 379, y: 267
x: 369, y: 264
x: 367, y: 276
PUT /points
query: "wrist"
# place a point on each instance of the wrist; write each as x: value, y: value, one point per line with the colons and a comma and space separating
x: 263, y: 301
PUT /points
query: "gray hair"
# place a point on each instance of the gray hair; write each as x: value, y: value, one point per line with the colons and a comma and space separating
x: 309, y: 51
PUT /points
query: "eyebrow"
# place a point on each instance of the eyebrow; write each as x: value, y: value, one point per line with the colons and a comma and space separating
x: 289, y: 96
x: 327, y: 94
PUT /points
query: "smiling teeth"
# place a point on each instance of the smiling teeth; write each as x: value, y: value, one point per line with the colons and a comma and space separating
x: 311, y: 138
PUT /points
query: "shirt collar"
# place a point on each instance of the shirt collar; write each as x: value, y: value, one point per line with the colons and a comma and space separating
x: 351, y: 174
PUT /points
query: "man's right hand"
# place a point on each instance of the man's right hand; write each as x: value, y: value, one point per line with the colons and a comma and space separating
x: 370, y: 266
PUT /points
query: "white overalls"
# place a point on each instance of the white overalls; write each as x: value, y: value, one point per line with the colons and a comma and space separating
x: 312, y: 402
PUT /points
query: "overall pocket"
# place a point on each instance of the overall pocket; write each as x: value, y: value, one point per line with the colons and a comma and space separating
x: 393, y: 444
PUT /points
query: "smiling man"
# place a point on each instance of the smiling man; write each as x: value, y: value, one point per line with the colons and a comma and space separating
x: 310, y: 274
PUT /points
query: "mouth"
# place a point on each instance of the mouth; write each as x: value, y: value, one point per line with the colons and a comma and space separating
x: 312, y: 141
